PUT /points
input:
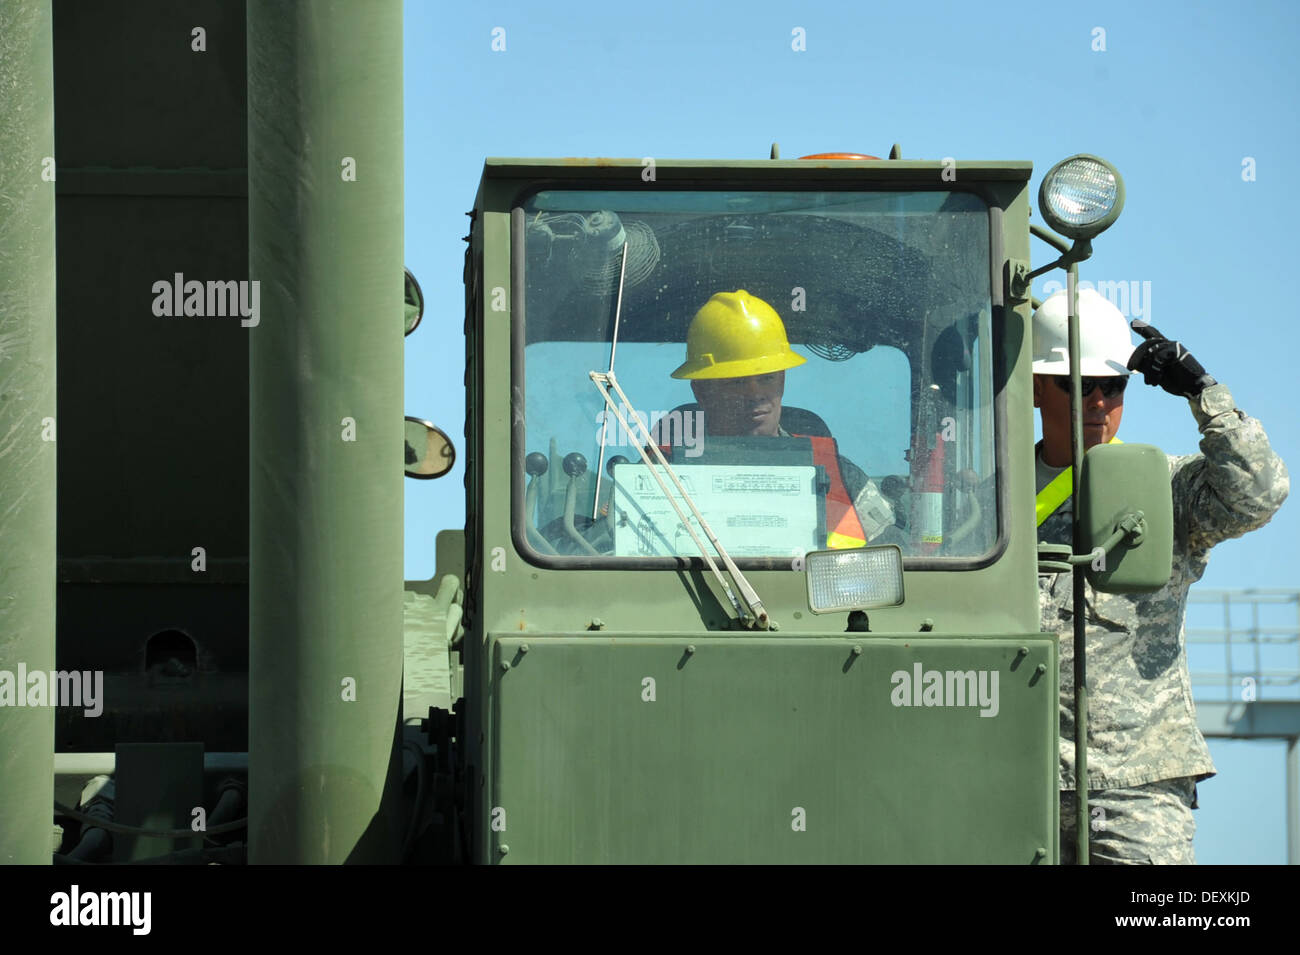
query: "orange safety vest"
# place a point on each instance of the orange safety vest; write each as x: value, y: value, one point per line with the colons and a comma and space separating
x: 843, y: 529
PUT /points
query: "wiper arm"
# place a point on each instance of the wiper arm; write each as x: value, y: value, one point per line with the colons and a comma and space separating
x: 607, y: 380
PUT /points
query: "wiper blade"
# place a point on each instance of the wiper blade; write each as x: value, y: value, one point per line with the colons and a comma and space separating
x: 752, y: 610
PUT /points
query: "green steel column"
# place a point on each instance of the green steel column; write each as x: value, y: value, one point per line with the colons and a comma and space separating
x: 27, y: 410
x: 325, y: 430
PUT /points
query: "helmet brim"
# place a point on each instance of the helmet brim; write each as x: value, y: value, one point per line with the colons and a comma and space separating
x: 1088, y: 368
x: 704, y: 368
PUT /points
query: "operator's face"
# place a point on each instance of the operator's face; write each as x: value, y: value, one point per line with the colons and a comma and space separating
x: 1101, y: 416
x: 749, y: 405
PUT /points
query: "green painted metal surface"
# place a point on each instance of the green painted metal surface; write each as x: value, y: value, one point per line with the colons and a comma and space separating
x: 1119, y: 479
x: 790, y: 749
x: 565, y: 759
x: 27, y: 421
x: 153, y: 407
x: 325, y: 87
x: 429, y: 623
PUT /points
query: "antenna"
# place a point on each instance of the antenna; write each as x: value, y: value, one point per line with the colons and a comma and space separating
x: 613, y: 350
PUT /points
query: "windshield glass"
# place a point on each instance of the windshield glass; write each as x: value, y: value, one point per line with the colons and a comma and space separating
x: 817, y: 367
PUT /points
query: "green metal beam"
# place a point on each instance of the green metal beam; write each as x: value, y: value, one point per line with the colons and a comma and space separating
x: 326, y: 431
x: 27, y: 412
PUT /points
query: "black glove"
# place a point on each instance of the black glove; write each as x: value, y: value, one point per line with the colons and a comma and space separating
x: 1167, y: 364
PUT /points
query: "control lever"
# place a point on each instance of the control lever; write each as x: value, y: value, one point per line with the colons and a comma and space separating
x: 536, y: 465
x: 575, y: 466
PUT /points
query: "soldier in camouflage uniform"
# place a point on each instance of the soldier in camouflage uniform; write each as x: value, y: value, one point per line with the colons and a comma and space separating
x: 1145, y: 751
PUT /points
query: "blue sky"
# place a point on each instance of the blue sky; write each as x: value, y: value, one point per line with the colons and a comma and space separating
x: 1181, y: 96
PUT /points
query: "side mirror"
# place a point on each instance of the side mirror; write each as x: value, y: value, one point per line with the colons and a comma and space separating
x: 414, y: 303
x: 429, y: 452
x: 1118, y: 481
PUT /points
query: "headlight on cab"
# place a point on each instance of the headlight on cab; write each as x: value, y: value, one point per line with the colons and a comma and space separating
x: 1081, y: 196
x: 862, y: 578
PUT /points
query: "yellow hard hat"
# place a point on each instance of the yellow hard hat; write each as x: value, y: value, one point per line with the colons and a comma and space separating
x: 735, y: 335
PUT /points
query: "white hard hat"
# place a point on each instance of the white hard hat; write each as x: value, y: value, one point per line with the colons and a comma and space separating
x: 1104, y: 341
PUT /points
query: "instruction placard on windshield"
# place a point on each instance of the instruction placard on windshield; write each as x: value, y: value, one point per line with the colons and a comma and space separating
x: 755, y: 510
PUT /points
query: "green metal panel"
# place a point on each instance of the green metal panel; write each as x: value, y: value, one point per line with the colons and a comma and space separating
x: 1117, y: 480
x: 325, y: 85
x: 157, y: 435
x: 27, y: 421
x: 154, y: 408
x: 142, y: 92
x: 926, y: 171
x: 429, y: 624
x: 747, y: 737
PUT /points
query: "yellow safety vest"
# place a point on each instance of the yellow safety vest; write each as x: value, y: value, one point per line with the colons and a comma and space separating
x: 1057, y: 492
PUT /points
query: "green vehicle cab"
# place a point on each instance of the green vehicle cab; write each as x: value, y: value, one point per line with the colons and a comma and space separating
x: 680, y: 643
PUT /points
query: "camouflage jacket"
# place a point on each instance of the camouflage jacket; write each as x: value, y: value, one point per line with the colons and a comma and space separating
x: 1142, y: 722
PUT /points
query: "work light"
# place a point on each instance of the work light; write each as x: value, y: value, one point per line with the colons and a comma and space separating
x: 861, y: 578
x: 1081, y: 196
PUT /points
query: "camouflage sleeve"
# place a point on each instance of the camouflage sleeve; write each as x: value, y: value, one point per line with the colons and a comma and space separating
x: 1235, y: 484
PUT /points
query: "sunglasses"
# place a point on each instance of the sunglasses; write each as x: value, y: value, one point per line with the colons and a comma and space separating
x: 1110, y: 386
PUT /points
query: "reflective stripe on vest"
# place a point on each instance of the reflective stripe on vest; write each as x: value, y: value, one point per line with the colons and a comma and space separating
x: 1057, y: 492
x: 843, y: 529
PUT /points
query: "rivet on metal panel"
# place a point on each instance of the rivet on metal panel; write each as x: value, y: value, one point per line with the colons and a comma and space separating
x: 505, y: 664
x: 690, y: 648
x: 857, y: 651
x: 1022, y: 652
x: 596, y: 624
x: 1040, y: 853
x: 927, y: 625
x: 523, y: 648
x: 503, y: 849
x: 1041, y: 668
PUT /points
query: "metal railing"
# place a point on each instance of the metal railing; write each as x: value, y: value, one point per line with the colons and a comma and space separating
x: 1253, y: 692
x: 1251, y: 652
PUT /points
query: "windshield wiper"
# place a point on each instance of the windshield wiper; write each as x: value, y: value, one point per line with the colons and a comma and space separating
x: 752, y: 613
